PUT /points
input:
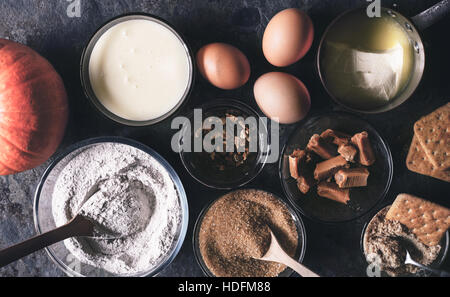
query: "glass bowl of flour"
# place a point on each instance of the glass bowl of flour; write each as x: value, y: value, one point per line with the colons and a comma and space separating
x: 132, y: 195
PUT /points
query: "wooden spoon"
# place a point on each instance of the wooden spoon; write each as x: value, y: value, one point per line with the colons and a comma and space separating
x: 277, y: 254
x: 78, y: 226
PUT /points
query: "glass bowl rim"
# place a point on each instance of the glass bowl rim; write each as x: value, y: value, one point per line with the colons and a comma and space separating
x: 301, y: 230
x: 366, y: 224
x: 84, y: 64
x: 138, y: 145
x: 221, y: 103
x: 388, y: 157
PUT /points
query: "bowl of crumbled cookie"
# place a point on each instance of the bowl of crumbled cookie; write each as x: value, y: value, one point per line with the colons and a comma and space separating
x: 410, y: 224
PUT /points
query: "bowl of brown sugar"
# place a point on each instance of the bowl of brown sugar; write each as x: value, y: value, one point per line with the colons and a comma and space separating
x: 235, y: 229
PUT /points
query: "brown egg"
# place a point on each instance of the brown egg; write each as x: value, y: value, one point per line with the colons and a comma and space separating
x: 282, y: 97
x: 223, y: 65
x: 288, y: 37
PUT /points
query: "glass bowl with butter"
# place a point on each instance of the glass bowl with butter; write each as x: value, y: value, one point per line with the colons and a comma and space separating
x: 137, y: 70
x: 370, y: 65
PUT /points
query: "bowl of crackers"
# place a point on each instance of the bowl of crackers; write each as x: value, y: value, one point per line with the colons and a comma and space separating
x: 335, y: 168
x: 410, y: 224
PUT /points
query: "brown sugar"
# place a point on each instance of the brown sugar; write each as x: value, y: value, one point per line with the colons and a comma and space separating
x: 235, y: 231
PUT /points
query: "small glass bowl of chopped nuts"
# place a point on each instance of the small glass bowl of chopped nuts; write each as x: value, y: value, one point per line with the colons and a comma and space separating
x: 223, y: 144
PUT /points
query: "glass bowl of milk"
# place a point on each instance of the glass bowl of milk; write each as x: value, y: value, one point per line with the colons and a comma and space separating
x: 137, y: 70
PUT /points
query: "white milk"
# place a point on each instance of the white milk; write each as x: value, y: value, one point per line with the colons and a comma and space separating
x: 139, y: 70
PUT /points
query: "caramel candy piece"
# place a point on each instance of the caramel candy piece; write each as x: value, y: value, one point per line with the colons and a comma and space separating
x: 298, y: 169
x: 348, y: 152
x: 304, y: 184
x: 322, y: 148
x: 336, y: 137
x: 352, y: 177
x: 366, y: 155
x: 329, y: 167
x: 333, y: 192
x: 297, y: 162
x: 294, y: 159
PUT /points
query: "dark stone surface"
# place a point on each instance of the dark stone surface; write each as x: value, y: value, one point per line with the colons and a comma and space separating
x: 332, y: 250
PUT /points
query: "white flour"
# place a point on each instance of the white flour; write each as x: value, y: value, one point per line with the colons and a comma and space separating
x: 130, y: 198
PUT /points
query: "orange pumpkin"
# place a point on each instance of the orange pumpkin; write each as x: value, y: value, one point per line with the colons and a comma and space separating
x: 33, y: 108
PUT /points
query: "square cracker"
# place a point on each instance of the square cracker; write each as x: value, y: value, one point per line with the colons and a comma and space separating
x: 417, y: 161
x: 427, y: 220
x: 433, y: 133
